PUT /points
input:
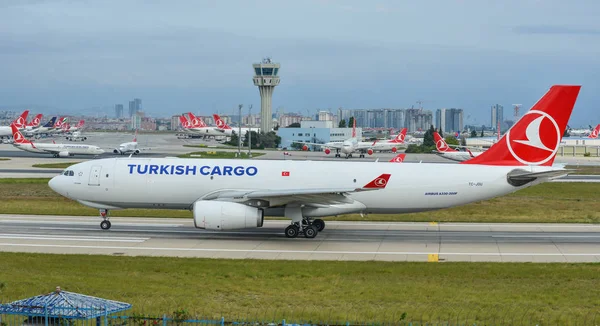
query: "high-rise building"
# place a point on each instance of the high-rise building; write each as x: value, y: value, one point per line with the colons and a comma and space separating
x: 175, y: 122
x: 440, y: 119
x: 266, y: 78
x: 325, y: 116
x: 118, y: 111
x: 135, y: 106
x: 497, y: 113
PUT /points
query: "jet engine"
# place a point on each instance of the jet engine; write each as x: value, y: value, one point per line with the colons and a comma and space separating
x: 63, y: 154
x: 370, y: 152
x: 136, y: 152
x: 327, y: 151
x: 394, y: 149
x: 116, y: 151
x: 304, y: 148
x: 220, y: 215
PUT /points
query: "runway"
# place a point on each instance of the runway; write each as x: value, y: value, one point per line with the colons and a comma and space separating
x: 339, y: 241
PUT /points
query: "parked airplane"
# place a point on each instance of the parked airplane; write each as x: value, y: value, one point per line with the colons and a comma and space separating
x: 20, y: 122
x: 227, y: 130
x: 393, y: 144
x: 444, y: 150
x: 76, y: 136
x: 45, y: 129
x: 34, y: 123
x: 237, y: 194
x: 57, y: 150
x: 129, y: 147
x: 348, y: 146
x: 196, y: 126
x: 594, y: 133
x: 58, y: 126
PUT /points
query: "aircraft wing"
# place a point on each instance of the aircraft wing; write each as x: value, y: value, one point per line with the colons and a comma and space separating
x: 315, y: 197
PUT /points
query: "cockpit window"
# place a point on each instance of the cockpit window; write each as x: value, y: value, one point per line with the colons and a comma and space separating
x: 69, y: 173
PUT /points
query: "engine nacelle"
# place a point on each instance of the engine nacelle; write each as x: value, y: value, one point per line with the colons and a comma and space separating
x: 327, y: 151
x: 370, y: 152
x: 136, y: 152
x: 63, y: 154
x: 394, y: 149
x: 220, y: 215
x: 304, y: 148
x: 84, y: 138
x: 116, y: 151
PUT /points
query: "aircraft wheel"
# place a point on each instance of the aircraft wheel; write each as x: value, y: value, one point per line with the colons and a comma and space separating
x: 362, y: 156
x: 310, y: 232
x: 319, y: 224
x: 105, y: 225
x: 292, y: 231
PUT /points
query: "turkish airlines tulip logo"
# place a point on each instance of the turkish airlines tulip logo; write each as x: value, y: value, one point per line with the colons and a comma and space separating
x: 595, y: 133
x: 538, y: 142
x: 35, y: 122
x: 398, y: 159
x: 220, y: 123
x: 400, y: 137
x: 20, y: 122
x: 441, y: 145
x: 380, y: 182
x: 18, y: 137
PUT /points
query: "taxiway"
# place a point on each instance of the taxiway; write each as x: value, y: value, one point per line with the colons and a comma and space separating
x: 339, y: 241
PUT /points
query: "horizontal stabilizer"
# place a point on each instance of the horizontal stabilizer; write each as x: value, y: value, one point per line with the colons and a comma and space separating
x: 521, y: 177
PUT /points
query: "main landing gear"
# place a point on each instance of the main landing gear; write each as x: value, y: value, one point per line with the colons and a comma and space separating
x: 105, y: 224
x: 309, y: 228
x: 337, y: 153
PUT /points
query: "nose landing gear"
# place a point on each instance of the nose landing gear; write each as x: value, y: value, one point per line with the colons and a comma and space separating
x: 105, y: 224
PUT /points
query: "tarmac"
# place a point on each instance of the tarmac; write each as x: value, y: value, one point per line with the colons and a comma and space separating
x: 443, y: 242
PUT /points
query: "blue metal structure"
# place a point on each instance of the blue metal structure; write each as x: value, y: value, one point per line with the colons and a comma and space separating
x: 64, y: 305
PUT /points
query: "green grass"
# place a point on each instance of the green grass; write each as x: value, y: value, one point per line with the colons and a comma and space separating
x: 60, y: 165
x: 4, y: 159
x: 318, y: 290
x: 217, y: 154
x: 549, y: 202
x: 584, y: 169
x: 228, y: 147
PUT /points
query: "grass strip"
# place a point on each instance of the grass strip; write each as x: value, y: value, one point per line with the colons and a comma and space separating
x: 315, y: 290
x: 218, y: 154
x: 60, y: 165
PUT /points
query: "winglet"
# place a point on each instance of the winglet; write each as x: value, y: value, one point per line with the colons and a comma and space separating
x: 378, y: 183
x: 535, y: 138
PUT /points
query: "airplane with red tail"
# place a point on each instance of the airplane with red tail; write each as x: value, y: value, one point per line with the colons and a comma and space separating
x: 446, y: 151
x: 237, y: 194
x: 20, y: 122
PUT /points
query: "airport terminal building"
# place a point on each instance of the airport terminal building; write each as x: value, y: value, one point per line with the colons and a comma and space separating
x: 315, y: 132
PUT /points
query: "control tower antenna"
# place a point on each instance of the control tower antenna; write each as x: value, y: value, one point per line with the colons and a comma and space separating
x: 266, y: 78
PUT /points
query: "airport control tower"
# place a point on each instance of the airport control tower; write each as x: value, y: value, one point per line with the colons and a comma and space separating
x: 266, y: 78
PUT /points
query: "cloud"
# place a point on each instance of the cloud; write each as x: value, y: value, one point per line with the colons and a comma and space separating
x: 555, y: 30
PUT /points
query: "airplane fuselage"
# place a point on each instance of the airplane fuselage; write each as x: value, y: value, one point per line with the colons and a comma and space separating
x: 178, y: 183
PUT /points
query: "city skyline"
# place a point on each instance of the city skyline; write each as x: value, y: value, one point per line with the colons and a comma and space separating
x: 354, y: 54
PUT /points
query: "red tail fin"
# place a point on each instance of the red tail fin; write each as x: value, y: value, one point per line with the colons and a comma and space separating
x: 35, y: 121
x: 379, y: 182
x: 135, y: 137
x: 535, y: 138
x: 80, y: 124
x: 354, y: 128
x: 220, y: 122
x: 595, y: 132
x: 184, y: 122
x: 440, y: 143
x: 196, y: 122
x: 17, y: 135
x: 399, y: 158
x: 21, y: 121
x: 401, y: 136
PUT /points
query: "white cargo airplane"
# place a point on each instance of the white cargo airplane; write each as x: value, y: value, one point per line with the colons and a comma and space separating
x: 57, y: 150
x: 129, y: 147
x: 227, y: 130
x: 237, y: 194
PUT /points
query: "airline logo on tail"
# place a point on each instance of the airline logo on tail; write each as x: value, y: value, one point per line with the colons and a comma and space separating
x: 529, y: 148
x: 80, y: 124
x: 184, y: 122
x: 440, y: 143
x: 18, y: 137
x: 36, y: 121
x: 379, y: 182
x: 196, y: 122
x: 21, y: 121
x: 595, y: 132
x: 535, y: 138
x: 220, y: 123
x: 399, y: 158
x: 354, y: 128
x: 401, y: 136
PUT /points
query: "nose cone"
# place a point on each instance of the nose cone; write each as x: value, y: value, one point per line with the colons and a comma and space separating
x: 54, y: 184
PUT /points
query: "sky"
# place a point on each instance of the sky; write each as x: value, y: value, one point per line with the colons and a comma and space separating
x: 193, y: 55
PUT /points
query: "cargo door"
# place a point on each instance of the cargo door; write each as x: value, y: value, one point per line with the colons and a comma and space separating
x: 95, y: 175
